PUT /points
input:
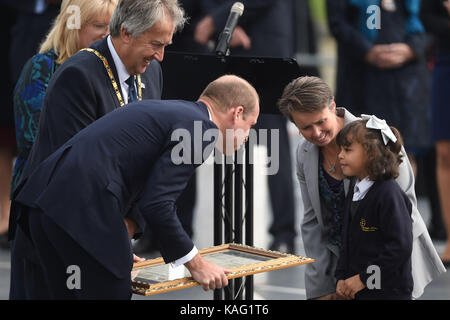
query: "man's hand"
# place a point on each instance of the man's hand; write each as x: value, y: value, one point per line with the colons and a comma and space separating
x: 446, y: 4
x: 390, y: 56
x: 240, y: 39
x: 373, y: 56
x: 137, y: 259
x: 208, y: 274
x: 135, y: 273
x: 204, y: 30
x: 349, y: 287
x: 131, y: 226
x: 398, y: 54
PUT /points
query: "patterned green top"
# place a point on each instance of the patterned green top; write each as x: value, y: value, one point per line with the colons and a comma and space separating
x: 29, y: 96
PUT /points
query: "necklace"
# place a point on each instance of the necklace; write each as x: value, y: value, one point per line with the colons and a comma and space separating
x: 332, y: 167
x: 111, y: 77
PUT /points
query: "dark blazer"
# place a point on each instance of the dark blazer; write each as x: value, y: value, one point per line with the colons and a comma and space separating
x: 379, y: 233
x: 121, y: 160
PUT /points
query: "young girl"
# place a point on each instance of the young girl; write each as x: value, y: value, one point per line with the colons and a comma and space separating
x: 375, y: 258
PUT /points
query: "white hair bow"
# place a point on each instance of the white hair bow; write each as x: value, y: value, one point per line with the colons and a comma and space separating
x: 379, y: 124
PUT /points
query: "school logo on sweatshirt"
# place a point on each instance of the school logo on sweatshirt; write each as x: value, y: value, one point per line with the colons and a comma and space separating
x: 362, y: 223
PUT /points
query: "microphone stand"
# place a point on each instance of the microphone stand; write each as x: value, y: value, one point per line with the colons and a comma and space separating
x: 233, y: 179
x: 229, y: 219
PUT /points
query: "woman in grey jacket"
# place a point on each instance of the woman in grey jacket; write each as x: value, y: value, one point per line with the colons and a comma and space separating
x: 309, y: 104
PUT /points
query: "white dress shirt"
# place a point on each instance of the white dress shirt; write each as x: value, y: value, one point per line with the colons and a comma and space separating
x: 121, y: 70
x: 361, y: 188
x: 209, y: 114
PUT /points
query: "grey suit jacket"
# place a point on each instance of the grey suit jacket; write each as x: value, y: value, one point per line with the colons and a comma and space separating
x: 319, y: 277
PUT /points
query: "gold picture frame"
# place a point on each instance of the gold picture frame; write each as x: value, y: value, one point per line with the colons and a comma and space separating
x: 154, y: 276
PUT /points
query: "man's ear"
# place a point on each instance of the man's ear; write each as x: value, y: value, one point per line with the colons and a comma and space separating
x: 125, y: 36
x: 238, y: 112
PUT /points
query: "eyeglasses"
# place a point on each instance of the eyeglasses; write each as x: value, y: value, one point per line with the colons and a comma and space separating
x: 100, y: 26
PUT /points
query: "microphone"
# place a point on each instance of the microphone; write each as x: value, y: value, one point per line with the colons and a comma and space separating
x: 225, y: 37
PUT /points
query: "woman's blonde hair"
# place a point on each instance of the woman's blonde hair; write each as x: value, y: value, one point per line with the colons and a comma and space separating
x: 65, y: 39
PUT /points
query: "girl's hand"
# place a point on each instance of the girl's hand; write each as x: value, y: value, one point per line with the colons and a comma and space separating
x: 331, y: 296
x: 339, y: 290
x: 351, y: 286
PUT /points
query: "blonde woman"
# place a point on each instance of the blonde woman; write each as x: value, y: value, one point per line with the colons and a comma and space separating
x: 78, y: 24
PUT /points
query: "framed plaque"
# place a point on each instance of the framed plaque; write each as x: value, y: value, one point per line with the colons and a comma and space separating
x: 154, y: 276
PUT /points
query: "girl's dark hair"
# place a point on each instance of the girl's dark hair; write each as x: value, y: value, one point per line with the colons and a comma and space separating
x: 382, y: 160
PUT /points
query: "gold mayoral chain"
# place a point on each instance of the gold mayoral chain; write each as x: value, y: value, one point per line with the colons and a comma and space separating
x: 111, y: 77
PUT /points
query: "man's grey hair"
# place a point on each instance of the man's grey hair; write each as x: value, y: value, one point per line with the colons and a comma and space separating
x: 137, y: 16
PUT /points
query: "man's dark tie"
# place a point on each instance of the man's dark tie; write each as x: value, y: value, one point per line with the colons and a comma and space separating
x: 132, y: 95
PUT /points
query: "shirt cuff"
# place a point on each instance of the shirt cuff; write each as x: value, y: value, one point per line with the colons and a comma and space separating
x: 186, y: 258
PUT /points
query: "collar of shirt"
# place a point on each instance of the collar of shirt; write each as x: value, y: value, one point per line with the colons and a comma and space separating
x: 209, y: 114
x: 121, y: 70
x: 207, y: 109
x: 361, y: 188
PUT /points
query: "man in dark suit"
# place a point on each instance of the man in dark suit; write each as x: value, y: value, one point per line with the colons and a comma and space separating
x: 183, y: 41
x: 266, y: 29
x: 116, y: 70
x: 72, y: 205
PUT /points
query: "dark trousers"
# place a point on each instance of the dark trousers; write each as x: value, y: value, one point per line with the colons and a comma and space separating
x: 26, y: 278
x: 61, y: 265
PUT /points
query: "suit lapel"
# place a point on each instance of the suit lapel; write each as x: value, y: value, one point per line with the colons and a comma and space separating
x: 311, y: 167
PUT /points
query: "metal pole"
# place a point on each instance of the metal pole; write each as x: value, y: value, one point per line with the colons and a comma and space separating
x: 248, y: 214
x: 218, y: 212
x: 238, y: 214
x: 229, y: 215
